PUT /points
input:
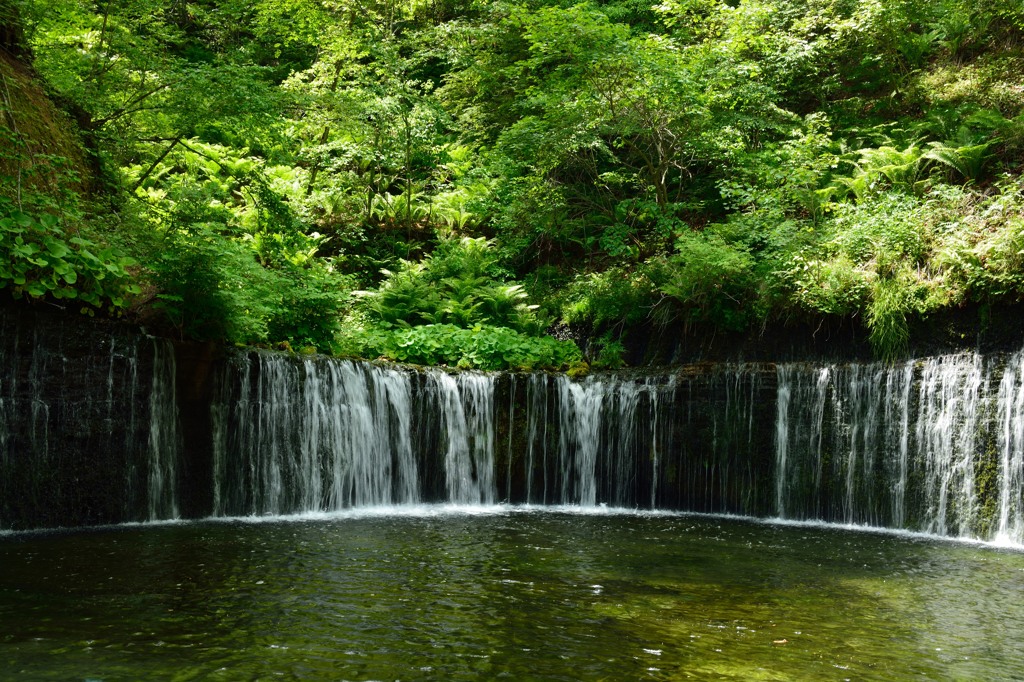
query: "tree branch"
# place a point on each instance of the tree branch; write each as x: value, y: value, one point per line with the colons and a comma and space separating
x: 127, y: 108
x: 153, y: 166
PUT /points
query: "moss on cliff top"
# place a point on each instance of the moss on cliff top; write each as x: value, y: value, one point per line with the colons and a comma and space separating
x: 42, y: 160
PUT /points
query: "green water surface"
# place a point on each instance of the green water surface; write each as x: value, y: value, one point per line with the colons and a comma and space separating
x: 435, y: 594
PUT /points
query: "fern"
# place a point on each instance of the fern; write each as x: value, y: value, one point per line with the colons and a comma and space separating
x: 968, y: 161
x: 900, y: 168
x: 457, y: 285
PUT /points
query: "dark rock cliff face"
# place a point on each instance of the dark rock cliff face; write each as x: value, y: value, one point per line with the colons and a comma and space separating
x: 74, y: 421
x: 988, y: 328
x: 90, y: 414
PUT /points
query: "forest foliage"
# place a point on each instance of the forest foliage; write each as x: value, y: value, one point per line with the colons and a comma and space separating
x: 446, y: 181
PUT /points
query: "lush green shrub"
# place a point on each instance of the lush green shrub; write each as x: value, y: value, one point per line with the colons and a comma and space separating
x: 708, y: 280
x: 309, y: 305
x: 833, y: 286
x: 982, y: 258
x: 608, y: 352
x: 453, y: 308
x: 405, y: 297
x: 480, y: 347
x: 894, y: 225
x: 614, y: 296
x: 213, y: 287
x: 38, y: 259
x: 887, y: 314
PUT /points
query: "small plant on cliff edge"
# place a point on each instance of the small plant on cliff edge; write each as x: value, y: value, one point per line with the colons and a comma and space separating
x: 608, y: 352
x: 887, y: 319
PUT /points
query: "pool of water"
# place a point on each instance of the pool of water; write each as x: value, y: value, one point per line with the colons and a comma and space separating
x: 439, y: 594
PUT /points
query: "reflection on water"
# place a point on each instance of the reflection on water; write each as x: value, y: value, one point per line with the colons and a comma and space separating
x: 511, y: 594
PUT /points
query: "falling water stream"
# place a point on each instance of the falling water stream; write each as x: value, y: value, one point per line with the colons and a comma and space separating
x: 929, y: 445
x: 934, y: 445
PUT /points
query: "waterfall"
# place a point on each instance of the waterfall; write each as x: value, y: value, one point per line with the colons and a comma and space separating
x: 314, y: 435
x: 579, y: 427
x: 320, y: 435
x: 509, y: 445
x: 537, y: 397
x: 951, y: 393
x: 801, y: 402
x: 905, y: 446
x: 659, y: 444
x: 39, y: 399
x: 91, y: 431
x: 785, y: 393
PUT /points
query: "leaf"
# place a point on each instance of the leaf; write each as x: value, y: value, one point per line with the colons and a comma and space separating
x: 57, y: 249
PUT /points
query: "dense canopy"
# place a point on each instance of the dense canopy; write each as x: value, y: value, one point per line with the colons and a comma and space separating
x: 446, y: 181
